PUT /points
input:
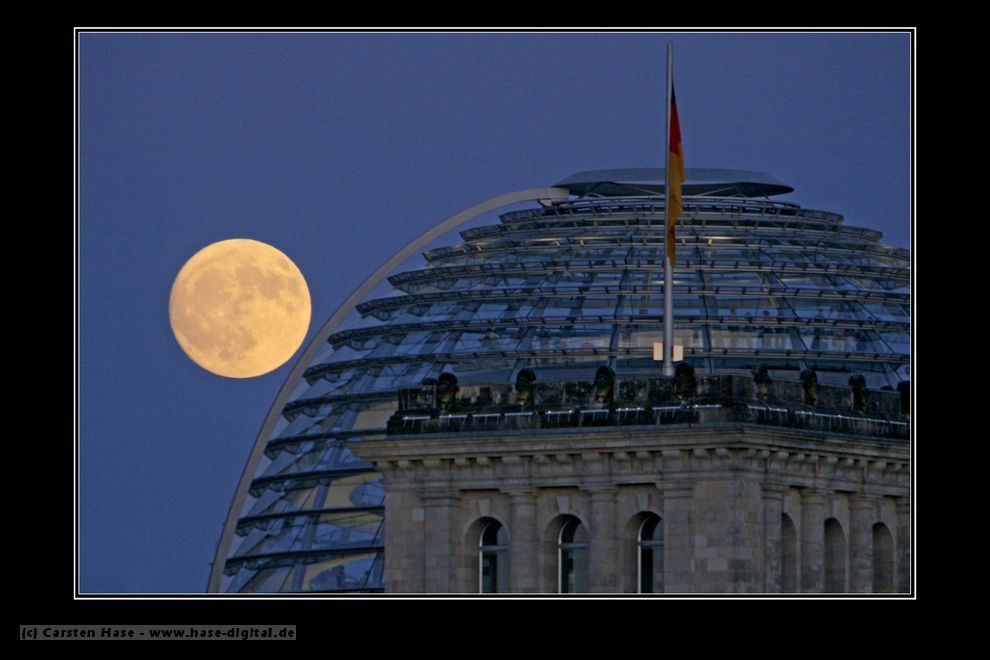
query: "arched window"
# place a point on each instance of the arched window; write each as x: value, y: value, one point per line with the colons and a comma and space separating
x: 651, y: 555
x: 883, y: 559
x: 835, y: 557
x: 573, y: 557
x: 789, y: 563
x: 494, y: 549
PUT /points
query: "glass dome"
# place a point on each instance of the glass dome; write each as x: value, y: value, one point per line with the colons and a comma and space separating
x: 562, y: 288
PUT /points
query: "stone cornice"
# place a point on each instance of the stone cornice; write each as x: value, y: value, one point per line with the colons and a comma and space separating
x: 627, y: 439
x: 783, y: 456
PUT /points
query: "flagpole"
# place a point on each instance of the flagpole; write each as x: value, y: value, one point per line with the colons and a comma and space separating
x: 668, y: 271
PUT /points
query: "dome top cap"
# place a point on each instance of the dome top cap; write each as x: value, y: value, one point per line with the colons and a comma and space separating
x: 636, y: 181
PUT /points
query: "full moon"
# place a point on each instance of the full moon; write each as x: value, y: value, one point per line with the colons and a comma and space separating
x: 239, y: 308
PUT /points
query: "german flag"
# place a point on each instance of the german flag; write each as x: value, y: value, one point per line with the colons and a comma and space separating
x: 675, y: 177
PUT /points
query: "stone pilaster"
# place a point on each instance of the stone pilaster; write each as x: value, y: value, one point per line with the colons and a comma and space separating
x: 773, y: 549
x: 862, y: 511
x: 813, y: 541
x: 404, y: 560
x: 438, y: 531
x: 602, y: 545
x: 903, y: 545
x: 523, y: 542
x: 678, y: 574
x: 727, y: 535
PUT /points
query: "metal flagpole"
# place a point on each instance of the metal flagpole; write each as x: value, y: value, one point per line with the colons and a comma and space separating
x: 668, y: 276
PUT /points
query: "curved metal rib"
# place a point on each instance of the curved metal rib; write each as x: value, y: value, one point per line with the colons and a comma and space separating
x: 366, y: 287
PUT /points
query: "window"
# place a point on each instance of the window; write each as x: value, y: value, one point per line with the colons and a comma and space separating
x: 835, y: 557
x: 651, y: 555
x: 573, y: 556
x: 494, y: 549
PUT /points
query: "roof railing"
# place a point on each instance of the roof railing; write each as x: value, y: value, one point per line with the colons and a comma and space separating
x: 688, y: 413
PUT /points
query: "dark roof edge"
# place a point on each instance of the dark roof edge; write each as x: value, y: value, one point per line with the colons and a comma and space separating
x: 698, y: 181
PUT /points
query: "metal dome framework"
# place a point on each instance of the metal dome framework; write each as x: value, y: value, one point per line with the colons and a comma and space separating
x: 561, y: 289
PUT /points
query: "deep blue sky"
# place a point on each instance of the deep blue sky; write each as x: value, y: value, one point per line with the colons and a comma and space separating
x: 338, y: 149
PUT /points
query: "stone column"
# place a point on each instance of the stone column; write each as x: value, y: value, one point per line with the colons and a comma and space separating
x: 678, y: 544
x: 523, y: 542
x: 902, y: 556
x: 601, y: 548
x: 813, y: 541
x: 438, y: 546
x: 862, y: 511
x: 773, y: 548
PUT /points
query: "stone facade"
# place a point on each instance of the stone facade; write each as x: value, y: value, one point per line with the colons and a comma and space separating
x: 745, y: 508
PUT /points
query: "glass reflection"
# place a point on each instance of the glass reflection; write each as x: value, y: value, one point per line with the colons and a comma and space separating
x: 346, y: 573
